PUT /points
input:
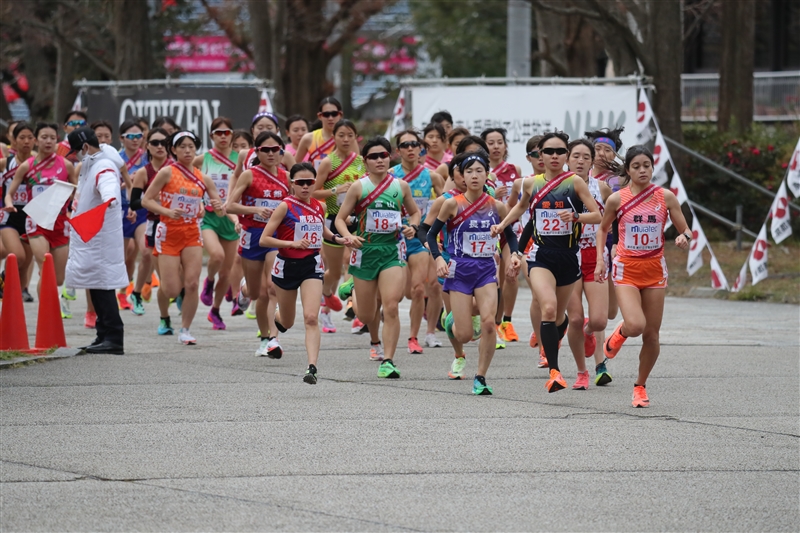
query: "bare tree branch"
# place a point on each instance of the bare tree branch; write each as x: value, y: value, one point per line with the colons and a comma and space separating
x: 361, y: 11
x: 547, y: 55
x: 698, y: 19
x: 236, y: 38
x: 625, y: 32
x: 343, y: 13
x: 560, y: 10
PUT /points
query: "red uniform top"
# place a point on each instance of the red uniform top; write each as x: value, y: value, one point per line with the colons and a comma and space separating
x: 641, y: 229
x: 302, y: 221
x: 266, y: 190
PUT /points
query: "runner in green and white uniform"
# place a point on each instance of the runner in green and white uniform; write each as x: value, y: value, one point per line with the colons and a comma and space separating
x: 378, y: 255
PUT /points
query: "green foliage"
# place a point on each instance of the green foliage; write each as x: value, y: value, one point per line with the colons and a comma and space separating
x: 469, y: 36
x: 761, y: 155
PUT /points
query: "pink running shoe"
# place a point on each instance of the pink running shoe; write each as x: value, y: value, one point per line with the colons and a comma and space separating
x: 207, y: 296
x: 581, y: 381
x: 589, y: 341
x: 327, y: 323
x: 229, y: 295
x: 215, y: 319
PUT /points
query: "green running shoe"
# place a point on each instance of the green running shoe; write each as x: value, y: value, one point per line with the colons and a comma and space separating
x: 500, y: 343
x: 68, y: 294
x: 251, y: 311
x: 165, y: 327
x: 65, y: 312
x: 346, y: 289
x: 448, y: 325
x: 457, y: 368
x: 602, y: 376
x: 476, y: 328
x: 136, y: 304
x: 480, y: 388
x: 388, y: 370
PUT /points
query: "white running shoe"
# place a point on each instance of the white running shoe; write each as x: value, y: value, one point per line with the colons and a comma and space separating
x: 431, y: 341
x: 65, y: 312
x: 376, y: 352
x: 263, y: 349
x: 274, y: 350
x: 326, y: 322
x: 184, y: 337
x: 244, y: 301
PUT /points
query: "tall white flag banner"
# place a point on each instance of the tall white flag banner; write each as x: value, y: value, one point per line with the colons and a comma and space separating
x: 718, y: 280
x: 77, y: 104
x: 677, y: 188
x: 45, y: 206
x: 398, y: 122
x: 758, y: 256
x: 644, y: 113
x: 793, y: 176
x: 741, y: 279
x: 781, y: 226
x: 265, y: 104
x: 660, y: 154
x: 699, y: 242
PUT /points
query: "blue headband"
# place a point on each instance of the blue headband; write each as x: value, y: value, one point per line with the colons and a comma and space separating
x: 607, y: 141
x: 266, y: 114
x: 472, y: 159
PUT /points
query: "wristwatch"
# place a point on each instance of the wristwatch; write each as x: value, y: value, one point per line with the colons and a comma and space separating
x: 519, y: 253
x: 575, y: 216
x: 688, y: 237
x: 333, y: 190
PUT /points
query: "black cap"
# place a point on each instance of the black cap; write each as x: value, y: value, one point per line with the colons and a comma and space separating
x: 77, y: 138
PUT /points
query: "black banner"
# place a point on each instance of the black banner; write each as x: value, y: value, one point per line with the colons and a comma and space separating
x: 193, y: 108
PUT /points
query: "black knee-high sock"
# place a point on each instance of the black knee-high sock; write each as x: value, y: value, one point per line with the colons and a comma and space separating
x: 549, y: 340
x: 562, y: 328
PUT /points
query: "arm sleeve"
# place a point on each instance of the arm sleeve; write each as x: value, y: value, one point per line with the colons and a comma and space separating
x: 615, y: 231
x: 136, y: 198
x: 527, y: 232
x: 511, y: 239
x: 431, y: 238
x: 422, y: 233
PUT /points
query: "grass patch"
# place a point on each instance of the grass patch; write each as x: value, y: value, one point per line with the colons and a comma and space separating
x: 14, y: 354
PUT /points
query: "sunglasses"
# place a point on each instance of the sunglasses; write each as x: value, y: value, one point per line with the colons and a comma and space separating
x: 409, y: 144
x: 554, y: 151
x: 304, y: 183
x: 133, y: 136
x: 222, y: 133
x: 158, y: 142
x: 329, y: 114
x: 76, y: 123
x: 270, y: 149
x: 377, y: 155
x: 534, y: 154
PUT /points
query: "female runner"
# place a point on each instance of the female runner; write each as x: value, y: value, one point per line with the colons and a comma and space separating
x: 639, y: 270
x: 296, y: 128
x: 556, y: 201
x: 168, y: 124
x: 453, y: 139
x: 220, y: 238
x: 435, y: 141
x: 242, y: 140
x: 583, y: 340
x: 180, y: 189
x: 316, y: 145
x: 258, y: 192
x: 299, y: 221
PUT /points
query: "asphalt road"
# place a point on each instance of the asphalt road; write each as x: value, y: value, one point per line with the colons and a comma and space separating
x: 212, y: 438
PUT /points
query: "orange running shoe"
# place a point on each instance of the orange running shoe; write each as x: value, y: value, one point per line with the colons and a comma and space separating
x: 154, y: 280
x: 614, y: 342
x: 507, y: 332
x: 556, y: 381
x: 147, y: 292
x: 534, y: 342
x: 640, y: 398
x: 542, y: 359
x: 129, y: 289
x: 589, y: 341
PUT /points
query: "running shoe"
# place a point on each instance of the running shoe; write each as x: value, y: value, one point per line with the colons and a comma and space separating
x: 243, y: 300
x: 376, y: 352
x: 499, y: 344
x: 229, y: 294
x: 556, y: 381
x: 614, y: 342
x: 263, y: 348
x: 327, y: 322
x: 251, y: 311
x: 358, y: 327
x: 349, y: 313
x: 440, y: 322
x: 345, y: 289
x: 589, y: 340
x: 207, y: 296
x: 332, y: 302
x: 448, y: 325
x: 179, y: 302
x: 184, y: 337
x: 274, y: 350
x: 154, y: 280
x: 215, y: 319
x: 457, y: 368
x: 310, y: 376
x: 602, y: 377
x: 235, y: 309
x: 508, y: 332
x: 388, y: 370
x: 581, y: 381
x: 480, y: 388
x: 533, y: 342
x: 90, y: 320
x: 26, y: 296
x: 431, y: 341
x: 640, y: 398
x: 129, y: 289
x: 542, y: 359
x: 136, y: 304
x: 476, y: 327
x: 122, y: 301
x: 68, y: 294
x: 413, y: 346
x: 147, y: 292
x: 65, y: 312
x: 164, y: 327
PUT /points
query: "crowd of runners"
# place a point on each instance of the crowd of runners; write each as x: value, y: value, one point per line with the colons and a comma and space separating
x: 290, y: 208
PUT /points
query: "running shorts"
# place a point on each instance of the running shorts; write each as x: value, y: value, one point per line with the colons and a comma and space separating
x: 150, y: 234
x: 642, y: 273
x: 172, y: 239
x: 56, y: 238
x: 465, y: 274
x: 289, y: 274
x: 15, y: 220
x: 368, y: 262
x: 223, y: 226
x: 128, y: 227
x: 589, y: 262
x: 414, y: 246
x: 248, y: 245
x: 563, y: 263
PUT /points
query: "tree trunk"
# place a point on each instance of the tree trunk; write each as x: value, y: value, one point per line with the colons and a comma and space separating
x: 134, y: 53
x: 304, y: 77
x: 35, y: 48
x: 261, y: 37
x: 581, y: 48
x: 736, y: 66
x: 347, y: 79
x: 65, y: 67
x: 278, y: 37
x: 550, y: 34
x: 666, y: 38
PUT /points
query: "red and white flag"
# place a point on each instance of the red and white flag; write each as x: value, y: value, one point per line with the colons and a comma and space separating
x: 265, y: 105
x: 781, y: 226
x: 741, y: 279
x: 76, y: 105
x: 696, y: 246
x: 758, y: 256
x: 660, y: 154
x: 677, y: 188
x: 644, y: 113
x: 89, y: 223
x: 718, y: 280
x: 398, y: 121
x: 793, y: 174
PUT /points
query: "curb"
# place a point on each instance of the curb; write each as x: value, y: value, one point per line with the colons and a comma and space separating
x: 60, y: 353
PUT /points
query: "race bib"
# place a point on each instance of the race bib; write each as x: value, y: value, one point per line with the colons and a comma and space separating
x: 475, y: 244
x: 151, y: 225
x: 382, y: 221
x: 269, y: 204
x: 549, y: 223
x: 221, y: 183
x: 311, y: 231
x: 401, y: 250
x: 643, y: 237
x: 319, y: 268
x: 4, y: 216
x: 277, y: 268
x: 36, y: 190
x: 245, y: 240
x: 30, y: 225
x: 451, y: 269
x: 189, y: 204
x: 355, y: 258
x: 21, y: 196
x: 422, y: 204
x: 161, y: 236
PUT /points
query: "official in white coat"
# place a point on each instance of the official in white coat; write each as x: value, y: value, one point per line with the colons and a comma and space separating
x: 99, y: 264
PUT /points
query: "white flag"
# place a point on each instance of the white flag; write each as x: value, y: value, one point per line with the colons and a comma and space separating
x: 265, y: 105
x: 661, y: 178
x: 660, y: 154
x: 677, y: 188
x: 398, y: 121
x: 45, y: 207
x: 643, y: 113
x: 718, y: 280
x: 696, y: 246
x: 76, y: 106
x: 781, y: 226
x: 793, y: 176
x: 741, y: 279
x: 758, y: 256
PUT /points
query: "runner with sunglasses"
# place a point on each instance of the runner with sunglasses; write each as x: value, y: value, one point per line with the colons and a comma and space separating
x: 335, y: 175
x: 316, y: 145
x: 378, y: 255
x: 421, y: 279
x: 263, y: 121
x: 220, y: 238
x: 242, y: 140
x: 296, y: 228
x: 556, y: 201
x: 639, y: 270
x: 176, y: 194
x: 257, y: 193
x: 72, y: 121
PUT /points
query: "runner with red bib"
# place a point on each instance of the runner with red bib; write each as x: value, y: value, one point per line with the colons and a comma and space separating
x: 263, y: 121
x: 316, y: 145
x: 435, y: 138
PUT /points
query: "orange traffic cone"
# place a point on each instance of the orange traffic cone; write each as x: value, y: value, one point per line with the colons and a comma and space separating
x: 13, y: 331
x: 49, y: 326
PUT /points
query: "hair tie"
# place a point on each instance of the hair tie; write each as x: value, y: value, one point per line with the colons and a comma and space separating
x: 607, y: 141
